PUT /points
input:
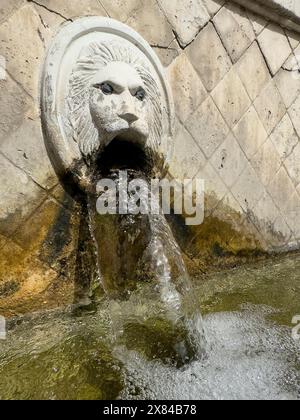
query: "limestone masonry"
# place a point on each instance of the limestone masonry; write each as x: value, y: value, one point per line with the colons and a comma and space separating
x: 233, y: 68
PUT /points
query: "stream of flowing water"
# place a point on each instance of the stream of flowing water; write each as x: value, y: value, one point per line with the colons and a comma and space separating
x: 137, y: 254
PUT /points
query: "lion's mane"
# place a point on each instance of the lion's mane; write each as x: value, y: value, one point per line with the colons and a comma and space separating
x: 91, y: 60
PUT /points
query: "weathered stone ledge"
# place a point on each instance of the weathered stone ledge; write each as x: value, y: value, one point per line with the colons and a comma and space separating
x: 284, y: 12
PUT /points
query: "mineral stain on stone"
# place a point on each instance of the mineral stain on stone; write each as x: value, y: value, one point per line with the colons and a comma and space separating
x: 9, y: 288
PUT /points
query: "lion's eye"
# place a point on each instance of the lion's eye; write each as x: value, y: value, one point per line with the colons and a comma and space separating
x: 140, y: 94
x: 106, y: 88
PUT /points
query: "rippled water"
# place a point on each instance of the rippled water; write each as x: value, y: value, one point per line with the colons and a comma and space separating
x: 125, y: 349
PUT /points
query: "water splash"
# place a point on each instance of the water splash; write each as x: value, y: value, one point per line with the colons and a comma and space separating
x: 250, y: 359
x: 252, y: 353
x: 99, y: 282
x: 139, y: 260
x: 174, y: 283
x: 168, y: 292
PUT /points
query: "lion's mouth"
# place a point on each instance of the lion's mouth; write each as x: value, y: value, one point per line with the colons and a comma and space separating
x: 123, y: 153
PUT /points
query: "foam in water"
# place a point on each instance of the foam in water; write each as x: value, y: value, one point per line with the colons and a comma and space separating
x: 67, y: 357
x: 248, y: 358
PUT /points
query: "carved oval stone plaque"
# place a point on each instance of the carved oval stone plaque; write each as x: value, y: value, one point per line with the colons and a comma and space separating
x: 102, y: 80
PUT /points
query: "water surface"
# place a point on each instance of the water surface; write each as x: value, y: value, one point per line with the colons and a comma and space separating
x: 127, y: 349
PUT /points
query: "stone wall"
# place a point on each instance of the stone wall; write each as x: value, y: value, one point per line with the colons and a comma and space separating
x: 236, y: 89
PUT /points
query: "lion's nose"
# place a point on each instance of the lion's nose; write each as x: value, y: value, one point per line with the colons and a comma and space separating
x: 129, y: 117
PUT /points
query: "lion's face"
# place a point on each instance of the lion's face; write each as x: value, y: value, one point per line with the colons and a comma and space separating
x: 113, y: 95
x: 118, y: 104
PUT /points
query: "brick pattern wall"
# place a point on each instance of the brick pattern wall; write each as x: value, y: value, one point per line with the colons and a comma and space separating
x: 236, y: 87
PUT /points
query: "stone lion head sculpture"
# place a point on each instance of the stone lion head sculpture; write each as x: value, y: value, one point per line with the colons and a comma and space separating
x: 102, y: 81
x: 113, y: 95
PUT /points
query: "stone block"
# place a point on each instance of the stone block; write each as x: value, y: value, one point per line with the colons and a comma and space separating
x: 231, y: 203
x: 263, y: 217
x: 294, y: 112
x: 248, y: 190
x: 8, y: 7
x: 250, y: 133
x: 26, y: 149
x: 266, y: 162
x: 62, y: 197
x: 121, y: 9
x: 188, y: 158
x: 51, y: 23
x: 23, y: 48
x: 209, y: 57
x: 275, y: 46
x: 208, y: 127
x: 292, y: 63
x: 281, y: 189
x: 231, y: 98
x: 230, y: 212
x: 51, y: 235
x: 187, y: 87
x: 235, y: 30
x: 19, y: 197
x: 186, y: 17
x: 270, y: 107
x: 253, y: 71
x: 288, y: 84
x: 168, y: 55
x: 23, y: 278
x: 36, y: 229
x: 229, y: 161
x: 258, y: 22
x: 265, y: 210
x: 292, y: 164
x: 215, y: 189
x: 292, y: 214
x: 283, y: 232
x: 284, y: 138
x: 213, y: 6
x: 15, y: 105
x: 294, y: 38
x: 152, y: 24
x: 70, y: 9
